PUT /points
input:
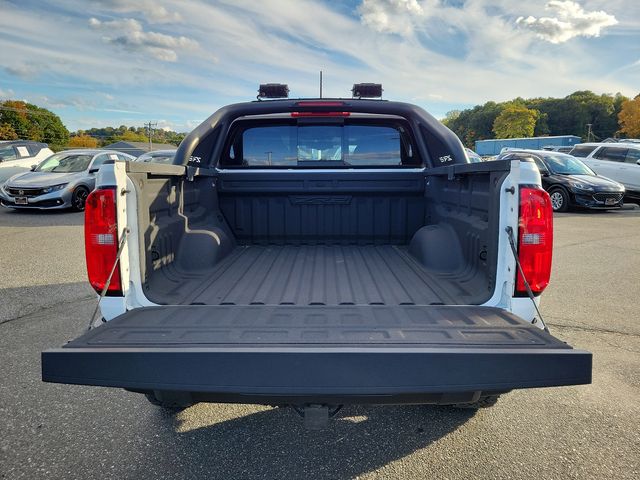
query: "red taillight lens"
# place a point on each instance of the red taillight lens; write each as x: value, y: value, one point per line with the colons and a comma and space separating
x: 101, y: 240
x: 535, y: 240
x: 320, y: 114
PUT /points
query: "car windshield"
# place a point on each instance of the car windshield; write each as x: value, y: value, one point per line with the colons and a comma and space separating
x: 566, y: 165
x: 65, y: 163
x: 156, y: 157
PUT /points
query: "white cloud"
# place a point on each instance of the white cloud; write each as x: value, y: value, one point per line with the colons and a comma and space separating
x: 390, y: 16
x: 439, y: 54
x: 130, y: 35
x: 152, y: 10
x: 571, y: 21
x: 6, y: 94
x: 23, y: 70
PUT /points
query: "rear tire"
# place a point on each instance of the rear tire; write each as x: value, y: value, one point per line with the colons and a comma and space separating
x: 79, y: 198
x: 559, y: 200
x: 168, y: 400
x: 484, y: 402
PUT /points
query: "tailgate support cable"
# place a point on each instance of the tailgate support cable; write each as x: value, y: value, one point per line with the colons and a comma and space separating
x: 123, y: 239
x: 514, y: 250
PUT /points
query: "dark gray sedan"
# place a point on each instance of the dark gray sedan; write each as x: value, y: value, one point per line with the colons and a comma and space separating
x: 63, y: 180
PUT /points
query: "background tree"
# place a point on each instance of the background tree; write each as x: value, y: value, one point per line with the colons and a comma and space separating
x: 629, y: 117
x: 7, y: 132
x: 515, y: 121
x: 30, y: 122
x: 475, y: 123
x: 557, y: 116
x: 107, y: 135
x: 83, y: 141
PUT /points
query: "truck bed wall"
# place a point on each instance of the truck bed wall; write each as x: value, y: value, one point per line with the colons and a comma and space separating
x: 446, y: 224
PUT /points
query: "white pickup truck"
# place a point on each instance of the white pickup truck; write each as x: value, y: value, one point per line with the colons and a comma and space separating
x: 317, y: 253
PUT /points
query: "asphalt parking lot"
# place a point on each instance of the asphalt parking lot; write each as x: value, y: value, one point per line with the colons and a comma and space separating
x: 59, y: 431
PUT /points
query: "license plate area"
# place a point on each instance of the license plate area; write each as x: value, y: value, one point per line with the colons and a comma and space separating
x: 20, y: 200
x: 610, y: 201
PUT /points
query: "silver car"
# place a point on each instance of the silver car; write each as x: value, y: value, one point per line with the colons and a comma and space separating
x: 63, y: 180
x: 157, y: 156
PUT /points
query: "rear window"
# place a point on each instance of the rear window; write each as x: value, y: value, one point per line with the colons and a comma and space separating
x: 582, y: 151
x: 349, y: 145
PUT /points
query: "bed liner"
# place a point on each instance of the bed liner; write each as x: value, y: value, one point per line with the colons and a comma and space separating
x: 316, y: 275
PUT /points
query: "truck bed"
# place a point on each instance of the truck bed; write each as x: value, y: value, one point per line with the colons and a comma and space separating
x: 315, y: 275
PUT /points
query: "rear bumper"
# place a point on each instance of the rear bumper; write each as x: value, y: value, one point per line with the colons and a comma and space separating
x: 319, y: 375
x: 318, y: 354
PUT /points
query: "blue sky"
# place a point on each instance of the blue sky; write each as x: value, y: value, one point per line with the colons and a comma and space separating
x: 112, y: 62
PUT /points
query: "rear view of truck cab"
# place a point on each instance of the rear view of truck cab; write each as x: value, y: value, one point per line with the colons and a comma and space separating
x: 316, y: 253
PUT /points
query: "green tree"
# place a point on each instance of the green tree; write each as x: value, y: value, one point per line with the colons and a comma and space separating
x: 475, y: 123
x: 630, y: 117
x: 450, y: 117
x: 515, y: 121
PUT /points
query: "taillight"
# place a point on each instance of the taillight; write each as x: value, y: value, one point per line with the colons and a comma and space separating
x: 320, y: 114
x: 101, y: 240
x: 535, y: 240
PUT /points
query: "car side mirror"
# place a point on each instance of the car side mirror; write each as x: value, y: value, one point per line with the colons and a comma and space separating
x: 94, y: 170
x: 638, y: 162
x: 33, y: 168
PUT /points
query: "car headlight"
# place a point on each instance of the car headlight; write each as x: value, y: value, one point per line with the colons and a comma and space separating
x: 54, y: 188
x: 582, y: 186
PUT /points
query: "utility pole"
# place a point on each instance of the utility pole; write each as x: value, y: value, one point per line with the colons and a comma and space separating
x: 589, y: 131
x: 150, y: 126
x: 320, y: 83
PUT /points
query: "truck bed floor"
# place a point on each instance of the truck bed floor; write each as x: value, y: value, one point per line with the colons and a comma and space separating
x: 315, y: 275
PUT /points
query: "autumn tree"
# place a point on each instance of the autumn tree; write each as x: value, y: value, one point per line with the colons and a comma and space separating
x: 83, y: 141
x: 7, y: 132
x: 515, y: 121
x: 30, y: 122
x: 629, y: 117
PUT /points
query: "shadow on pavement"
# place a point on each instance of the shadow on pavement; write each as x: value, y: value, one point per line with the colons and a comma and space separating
x: 274, y: 443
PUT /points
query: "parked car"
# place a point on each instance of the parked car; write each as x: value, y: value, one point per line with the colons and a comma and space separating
x: 157, y: 156
x: 621, y: 140
x: 619, y: 161
x: 558, y: 148
x: 18, y: 155
x: 316, y: 253
x: 61, y: 181
x: 473, y: 156
x: 570, y: 182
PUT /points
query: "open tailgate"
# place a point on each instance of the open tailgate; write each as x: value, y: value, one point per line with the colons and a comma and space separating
x: 350, y: 354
